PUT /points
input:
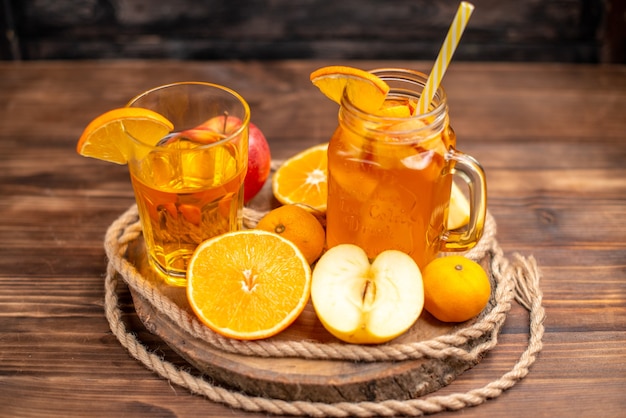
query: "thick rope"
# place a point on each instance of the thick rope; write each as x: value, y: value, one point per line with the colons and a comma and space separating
x: 127, y: 228
x: 519, y: 279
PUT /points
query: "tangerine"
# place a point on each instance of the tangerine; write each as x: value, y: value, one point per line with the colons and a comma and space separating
x: 297, y: 225
x: 456, y: 288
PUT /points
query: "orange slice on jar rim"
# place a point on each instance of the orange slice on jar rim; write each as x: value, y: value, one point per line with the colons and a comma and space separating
x: 365, y: 90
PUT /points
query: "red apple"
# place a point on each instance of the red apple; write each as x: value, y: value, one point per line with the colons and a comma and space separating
x: 259, y: 157
x: 259, y: 163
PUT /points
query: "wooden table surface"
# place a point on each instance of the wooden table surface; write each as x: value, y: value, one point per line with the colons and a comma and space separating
x: 552, y: 140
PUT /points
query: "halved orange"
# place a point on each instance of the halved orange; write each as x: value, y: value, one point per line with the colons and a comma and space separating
x: 106, y: 137
x: 303, y: 179
x: 365, y: 90
x: 248, y: 284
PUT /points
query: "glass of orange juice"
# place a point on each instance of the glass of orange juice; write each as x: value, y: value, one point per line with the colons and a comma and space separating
x: 390, y: 175
x: 189, y: 186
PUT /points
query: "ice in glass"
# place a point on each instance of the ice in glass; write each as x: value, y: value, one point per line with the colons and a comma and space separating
x: 189, y: 186
x: 390, y: 176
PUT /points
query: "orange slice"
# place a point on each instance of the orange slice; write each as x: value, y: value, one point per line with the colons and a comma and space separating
x: 106, y: 137
x: 248, y: 284
x: 398, y: 108
x: 303, y: 179
x: 398, y: 111
x: 365, y: 90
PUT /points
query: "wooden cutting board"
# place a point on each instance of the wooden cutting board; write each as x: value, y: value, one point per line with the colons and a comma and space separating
x: 292, y: 379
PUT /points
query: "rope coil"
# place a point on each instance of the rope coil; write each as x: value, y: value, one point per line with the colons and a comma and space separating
x: 517, y: 280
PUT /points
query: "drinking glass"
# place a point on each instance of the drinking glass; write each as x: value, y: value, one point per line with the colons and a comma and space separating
x: 189, y: 186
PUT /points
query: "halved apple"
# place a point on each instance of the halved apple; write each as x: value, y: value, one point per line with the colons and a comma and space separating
x: 365, y: 303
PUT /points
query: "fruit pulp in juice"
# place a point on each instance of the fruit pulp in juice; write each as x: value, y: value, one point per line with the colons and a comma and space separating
x: 185, y: 197
x: 385, y: 194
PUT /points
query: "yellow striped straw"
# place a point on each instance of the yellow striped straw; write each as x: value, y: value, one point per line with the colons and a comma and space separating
x: 445, y: 55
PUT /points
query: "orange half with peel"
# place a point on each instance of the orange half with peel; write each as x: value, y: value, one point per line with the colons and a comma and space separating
x: 248, y: 284
x: 303, y: 179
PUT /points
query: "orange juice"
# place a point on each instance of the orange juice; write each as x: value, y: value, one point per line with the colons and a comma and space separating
x: 387, y: 195
x: 185, y: 198
x: 390, y: 175
x: 189, y: 186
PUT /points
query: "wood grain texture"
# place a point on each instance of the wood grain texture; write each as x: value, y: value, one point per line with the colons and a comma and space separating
x: 321, y: 380
x: 551, y: 138
x: 516, y: 30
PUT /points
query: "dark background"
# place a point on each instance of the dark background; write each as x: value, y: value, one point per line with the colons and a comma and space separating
x: 579, y: 31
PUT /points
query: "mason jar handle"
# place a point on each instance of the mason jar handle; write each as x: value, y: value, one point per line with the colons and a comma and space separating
x: 472, y: 173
